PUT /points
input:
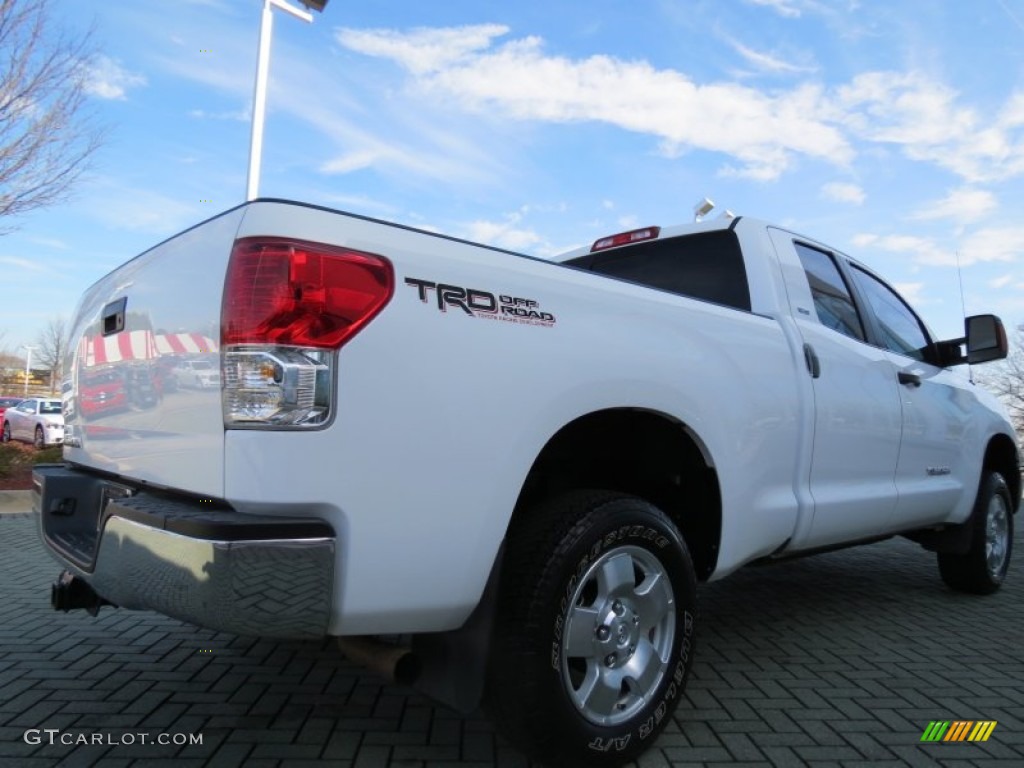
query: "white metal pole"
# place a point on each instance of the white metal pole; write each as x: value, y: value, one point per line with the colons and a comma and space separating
x: 259, y: 98
x: 259, y: 102
x: 28, y: 366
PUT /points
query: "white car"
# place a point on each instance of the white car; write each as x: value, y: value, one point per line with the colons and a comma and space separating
x: 197, y: 374
x: 37, y: 420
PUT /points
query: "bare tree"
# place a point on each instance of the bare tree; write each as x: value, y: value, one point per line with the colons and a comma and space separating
x: 1006, y: 380
x: 46, y: 138
x: 50, y: 347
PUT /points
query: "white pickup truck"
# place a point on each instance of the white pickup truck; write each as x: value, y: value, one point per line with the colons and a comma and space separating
x: 501, y: 478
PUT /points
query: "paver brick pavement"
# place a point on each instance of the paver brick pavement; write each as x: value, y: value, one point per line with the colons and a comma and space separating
x: 838, y: 660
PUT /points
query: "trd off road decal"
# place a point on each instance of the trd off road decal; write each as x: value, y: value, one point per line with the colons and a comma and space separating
x: 482, y: 304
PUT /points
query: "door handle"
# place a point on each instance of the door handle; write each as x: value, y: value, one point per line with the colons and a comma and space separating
x: 813, y: 364
x: 114, y: 316
x: 909, y: 379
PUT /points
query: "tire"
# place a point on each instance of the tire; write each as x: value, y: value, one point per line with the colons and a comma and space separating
x: 40, y: 439
x: 982, y: 569
x: 594, y: 635
x: 7, y: 432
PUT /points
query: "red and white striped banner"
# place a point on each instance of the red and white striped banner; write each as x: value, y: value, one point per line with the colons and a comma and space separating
x: 184, y: 344
x: 143, y: 345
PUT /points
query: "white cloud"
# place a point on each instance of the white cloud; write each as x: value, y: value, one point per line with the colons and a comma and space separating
x: 759, y: 133
x: 766, y: 62
x: 993, y: 244
x: 107, y: 79
x: 503, y: 234
x: 425, y: 49
x: 509, y: 233
x: 923, y: 250
x: 352, y: 161
x: 29, y: 265
x: 401, y: 141
x: 924, y: 118
x: 48, y: 242
x: 1000, y: 282
x: 763, y: 131
x: 842, y: 192
x: 786, y: 8
x: 904, y: 108
x: 241, y: 115
x: 964, y: 205
x: 1001, y: 244
x: 141, y: 210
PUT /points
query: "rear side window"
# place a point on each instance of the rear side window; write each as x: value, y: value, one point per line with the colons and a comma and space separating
x: 707, y: 266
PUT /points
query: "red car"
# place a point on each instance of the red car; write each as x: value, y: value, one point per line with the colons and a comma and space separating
x: 100, y: 391
x: 8, y: 402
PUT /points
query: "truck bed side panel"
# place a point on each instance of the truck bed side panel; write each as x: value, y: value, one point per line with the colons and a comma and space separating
x: 442, y: 413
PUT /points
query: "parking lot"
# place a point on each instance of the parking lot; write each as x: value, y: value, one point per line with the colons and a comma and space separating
x: 838, y: 660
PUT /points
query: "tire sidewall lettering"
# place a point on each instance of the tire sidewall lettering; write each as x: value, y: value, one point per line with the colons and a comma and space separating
x: 653, y: 540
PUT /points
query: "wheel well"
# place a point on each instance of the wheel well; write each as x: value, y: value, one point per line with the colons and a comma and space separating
x: 1001, y: 456
x: 641, y: 453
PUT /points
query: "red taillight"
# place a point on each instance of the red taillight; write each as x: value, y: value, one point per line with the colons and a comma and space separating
x: 625, y: 238
x: 291, y: 292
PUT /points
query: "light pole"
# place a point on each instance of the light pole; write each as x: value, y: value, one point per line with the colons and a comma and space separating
x: 259, y: 99
x: 28, y: 365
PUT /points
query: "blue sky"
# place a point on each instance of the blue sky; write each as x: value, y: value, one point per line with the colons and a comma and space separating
x: 892, y: 131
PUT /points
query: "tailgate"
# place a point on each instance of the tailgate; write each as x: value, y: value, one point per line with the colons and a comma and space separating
x: 141, y: 391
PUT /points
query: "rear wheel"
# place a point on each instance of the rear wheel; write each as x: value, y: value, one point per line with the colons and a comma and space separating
x: 982, y: 569
x: 594, y: 636
x: 7, y: 432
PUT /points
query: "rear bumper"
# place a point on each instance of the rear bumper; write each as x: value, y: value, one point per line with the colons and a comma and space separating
x: 193, y: 560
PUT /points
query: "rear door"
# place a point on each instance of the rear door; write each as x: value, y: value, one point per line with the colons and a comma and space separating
x: 857, y: 412
x: 24, y: 416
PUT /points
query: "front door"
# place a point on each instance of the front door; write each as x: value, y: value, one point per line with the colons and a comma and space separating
x: 931, y: 472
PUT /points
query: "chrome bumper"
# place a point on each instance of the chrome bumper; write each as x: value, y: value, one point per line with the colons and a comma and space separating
x: 249, y: 575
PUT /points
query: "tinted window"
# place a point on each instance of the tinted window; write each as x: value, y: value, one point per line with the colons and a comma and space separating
x: 707, y: 266
x: 832, y: 300
x: 49, y: 406
x: 901, y: 330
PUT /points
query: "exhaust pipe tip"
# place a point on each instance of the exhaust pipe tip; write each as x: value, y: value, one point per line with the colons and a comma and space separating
x: 407, y: 668
x: 395, y: 663
x: 71, y: 593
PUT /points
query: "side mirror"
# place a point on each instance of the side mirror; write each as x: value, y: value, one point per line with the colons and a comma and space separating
x: 985, y: 337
